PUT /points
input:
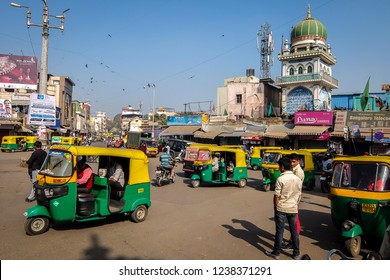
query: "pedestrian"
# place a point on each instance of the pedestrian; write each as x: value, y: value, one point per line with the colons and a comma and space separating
x: 288, y: 191
x: 297, y: 170
x: 34, y: 164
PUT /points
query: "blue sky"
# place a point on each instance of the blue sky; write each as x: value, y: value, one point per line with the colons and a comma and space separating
x: 111, y: 49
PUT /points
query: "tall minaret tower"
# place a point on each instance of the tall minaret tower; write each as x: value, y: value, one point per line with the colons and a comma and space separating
x: 307, y: 81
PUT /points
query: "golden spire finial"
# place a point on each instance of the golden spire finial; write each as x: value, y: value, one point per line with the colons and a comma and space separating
x: 308, y: 12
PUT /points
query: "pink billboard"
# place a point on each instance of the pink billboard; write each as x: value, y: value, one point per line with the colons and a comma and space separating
x: 313, y: 118
x: 18, y: 71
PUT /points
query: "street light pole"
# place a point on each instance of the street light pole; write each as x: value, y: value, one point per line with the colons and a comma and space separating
x: 45, y: 40
x: 153, y: 86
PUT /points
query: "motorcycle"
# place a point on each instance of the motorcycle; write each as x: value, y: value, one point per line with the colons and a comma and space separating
x: 180, y: 156
x: 164, y: 175
x: 325, y: 181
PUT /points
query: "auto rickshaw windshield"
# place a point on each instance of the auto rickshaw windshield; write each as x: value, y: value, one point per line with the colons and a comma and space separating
x: 151, y: 144
x: 58, y: 164
x: 371, y: 177
x: 271, y: 158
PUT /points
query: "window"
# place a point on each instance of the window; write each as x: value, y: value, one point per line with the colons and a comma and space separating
x: 309, y: 69
x: 300, y: 70
x: 291, y: 71
x: 239, y: 98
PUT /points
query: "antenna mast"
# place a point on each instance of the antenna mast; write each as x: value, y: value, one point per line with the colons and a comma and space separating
x: 265, y: 46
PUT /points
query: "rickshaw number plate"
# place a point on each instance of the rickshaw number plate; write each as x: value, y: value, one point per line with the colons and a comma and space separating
x: 368, y: 208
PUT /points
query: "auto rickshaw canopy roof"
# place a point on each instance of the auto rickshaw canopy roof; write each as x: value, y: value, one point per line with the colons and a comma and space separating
x: 138, y: 167
x: 240, y: 155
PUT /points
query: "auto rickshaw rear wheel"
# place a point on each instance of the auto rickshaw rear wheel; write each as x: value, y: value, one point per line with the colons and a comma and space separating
x: 267, y: 187
x: 36, y: 225
x: 139, y: 214
x: 242, y: 183
x: 310, y: 185
x: 353, y: 246
x: 195, y: 183
x: 255, y: 167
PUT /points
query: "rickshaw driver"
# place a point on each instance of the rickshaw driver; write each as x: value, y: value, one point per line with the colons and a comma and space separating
x: 84, y: 175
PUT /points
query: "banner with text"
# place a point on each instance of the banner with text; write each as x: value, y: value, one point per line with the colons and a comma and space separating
x: 42, y: 110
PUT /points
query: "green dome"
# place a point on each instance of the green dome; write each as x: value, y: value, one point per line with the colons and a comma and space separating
x: 308, y: 29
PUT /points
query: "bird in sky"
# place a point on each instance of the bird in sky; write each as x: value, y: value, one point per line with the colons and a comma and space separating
x: 109, y: 35
x: 191, y: 77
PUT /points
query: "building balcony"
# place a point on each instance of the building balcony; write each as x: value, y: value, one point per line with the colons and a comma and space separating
x: 307, y: 78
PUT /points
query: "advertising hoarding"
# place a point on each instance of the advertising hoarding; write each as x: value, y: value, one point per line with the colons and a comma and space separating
x: 42, y: 110
x: 18, y: 72
x: 5, y: 108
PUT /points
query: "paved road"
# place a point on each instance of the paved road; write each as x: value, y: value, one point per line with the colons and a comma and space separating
x: 207, y: 223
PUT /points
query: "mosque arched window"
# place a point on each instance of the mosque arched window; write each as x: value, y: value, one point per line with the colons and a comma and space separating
x: 291, y: 72
x: 300, y: 70
x: 309, y: 69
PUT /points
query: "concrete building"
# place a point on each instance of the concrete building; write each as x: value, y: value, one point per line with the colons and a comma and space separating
x: 307, y: 79
x: 100, y: 123
x: 62, y: 88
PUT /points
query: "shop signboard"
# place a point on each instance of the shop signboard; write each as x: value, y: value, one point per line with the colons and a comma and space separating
x: 313, y: 118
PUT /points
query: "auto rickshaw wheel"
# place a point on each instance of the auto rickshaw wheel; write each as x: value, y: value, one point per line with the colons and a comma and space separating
x: 353, y: 246
x: 267, y: 187
x: 310, y: 185
x: 139, y: 214
x: 36, y: 225
x: 242, y: 183
x: 195, y: 183
x: 255, y: 167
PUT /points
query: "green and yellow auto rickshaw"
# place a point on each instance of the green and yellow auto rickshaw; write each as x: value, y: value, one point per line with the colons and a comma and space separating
x: 13, y: 143
x: 271, y: 172
x: 69, y: 141
x: 256, y: 158
x: 204, y: 175
x: 360, y: 200
x: 57, y: 195
x: 30, y: 141
x: 318, y: 155
x: 151, y: 147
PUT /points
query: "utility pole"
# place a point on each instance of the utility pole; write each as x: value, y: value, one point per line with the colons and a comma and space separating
x: 45, y: 40
x: 153, y: 86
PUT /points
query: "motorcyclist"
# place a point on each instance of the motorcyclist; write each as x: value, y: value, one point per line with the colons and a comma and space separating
x: 327, y: 163
x: 167, y: 161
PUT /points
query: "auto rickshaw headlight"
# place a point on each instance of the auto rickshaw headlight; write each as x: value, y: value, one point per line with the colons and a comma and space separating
x: 57, y: 191
x: 348, y: 225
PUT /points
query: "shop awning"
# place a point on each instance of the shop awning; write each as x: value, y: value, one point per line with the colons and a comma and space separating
x: 277, y: 131
x: 180, y: 130
x: 207, y: 135
x: 231, y: 134
x: 308, y: 130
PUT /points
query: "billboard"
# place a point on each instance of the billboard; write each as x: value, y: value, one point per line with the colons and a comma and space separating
x: 18, y: 71
x: 42, y: 110
x: 5, y: 108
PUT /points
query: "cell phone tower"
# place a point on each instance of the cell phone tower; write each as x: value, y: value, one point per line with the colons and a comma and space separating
x: 265, y: 45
